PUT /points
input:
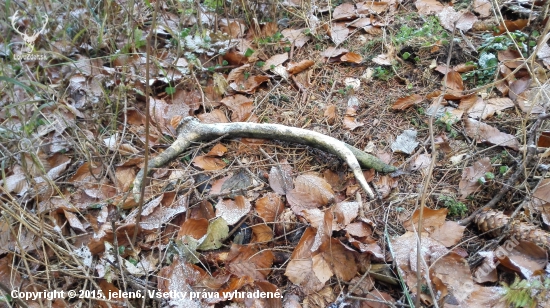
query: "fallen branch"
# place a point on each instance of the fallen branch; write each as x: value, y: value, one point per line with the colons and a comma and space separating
x: 191, y: 130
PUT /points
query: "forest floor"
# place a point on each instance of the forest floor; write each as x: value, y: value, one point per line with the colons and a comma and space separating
x: 453, y: 95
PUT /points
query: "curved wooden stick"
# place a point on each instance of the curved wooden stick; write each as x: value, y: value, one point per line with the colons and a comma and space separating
x: 191, y: 130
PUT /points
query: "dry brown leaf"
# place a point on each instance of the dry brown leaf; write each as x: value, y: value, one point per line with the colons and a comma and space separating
x: 470, y: 176
x: 453, y: 81
x: 196, y: 228
x: 296, y: 68
x: 275, y: 61
x: 74, y: 222
x: 233, y: 210
x: 454, y: 273
x: 512, y: 25
x: 108, y: 288
x: 330, y: 113
x: 124, y: 177
x: 300, y: 268
x: 351, y: 123
x: 336, y: 180
x: 280, y: 180
x: 511, y: 58
x: 352, y: 57
x: 482, y: 7
x: 248, y: 261
x: 218, y: 150
x: 310, y: 191
x: 338, y: 32
x: 448, y: 234
x: 485, y: 133
x: 484, y: 109
x: 372, y: 7
x: 240, y: 105
x: 451, y: 19
x: 431, y: 219
x: 464, y: 68
x: 180, y: 277
x: 209, y: 163
x: 339, y: 258
x: 248, y: 85
x: 426, y: 7
x: 269, y: 207
x: 344, y: 11
x: 344, y: 213
x: 421, y: 162
x: 261, y: 234
x: 385, y: 184
x: 525, y: 258
x: 235, y: 58
x: 332, y: 52
x: 407, y: 101
x: 359, y: 229
x: 216, y: 116
x: 296, y: 36
x: 517, y: 87
x: 541, y: 200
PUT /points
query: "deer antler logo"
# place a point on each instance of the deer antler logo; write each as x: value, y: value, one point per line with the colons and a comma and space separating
x: 28, y: 39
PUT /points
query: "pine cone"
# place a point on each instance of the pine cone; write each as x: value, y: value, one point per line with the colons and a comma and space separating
x: 493, y: 220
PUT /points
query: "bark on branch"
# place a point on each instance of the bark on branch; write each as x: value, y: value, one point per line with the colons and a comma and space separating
x: 191, y: 130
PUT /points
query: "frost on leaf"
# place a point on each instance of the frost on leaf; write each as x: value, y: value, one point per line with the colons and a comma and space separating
x: 280, y: 180
x: 405, y: 143
x: 233, y: 210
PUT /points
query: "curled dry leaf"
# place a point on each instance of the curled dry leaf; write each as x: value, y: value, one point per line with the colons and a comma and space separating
x: 233, y: 210
x: 453, y: 81
x: 296, y: 68
x: 352, y: 57
x: 385, y: 184
x: 523, y: 257
x: 330, y: 113
x: 269, y: 207
x: 485, y: 133
x: 310, y: 191
x: 351, y: 123
x: 209, y: 161
x: 470, y: 176
x: 407, y: 101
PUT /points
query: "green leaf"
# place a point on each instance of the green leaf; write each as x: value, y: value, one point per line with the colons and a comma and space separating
x: 260, y: 63
x: 406, y: 55
x: 225, y: 63
x: 489, y: 176
x: 217, y: 232
x: 248, y: 52
x: 170, y: 90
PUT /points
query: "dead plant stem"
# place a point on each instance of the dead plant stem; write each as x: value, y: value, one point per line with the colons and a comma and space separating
x: 147, y: 120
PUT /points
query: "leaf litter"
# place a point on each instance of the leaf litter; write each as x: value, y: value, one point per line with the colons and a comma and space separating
x: 62, y: 163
